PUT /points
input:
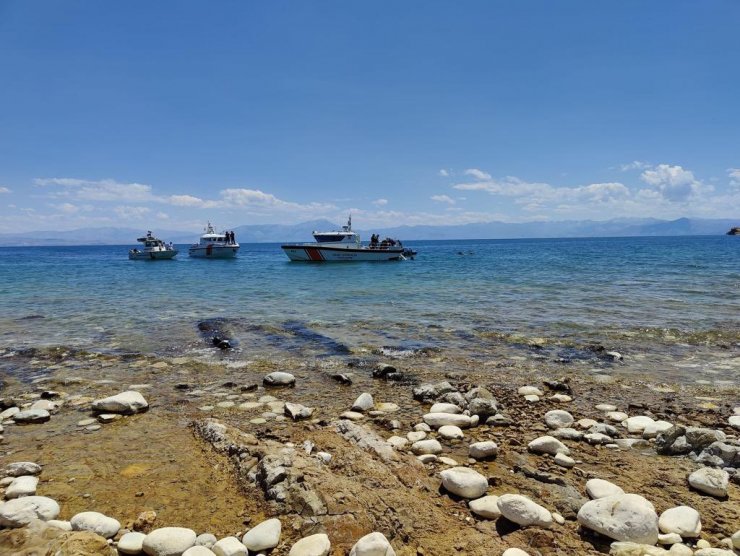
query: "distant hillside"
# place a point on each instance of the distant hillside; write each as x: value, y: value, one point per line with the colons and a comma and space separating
x: 265, y: 233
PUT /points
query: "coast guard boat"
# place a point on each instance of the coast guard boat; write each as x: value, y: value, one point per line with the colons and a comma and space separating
x: 213, y: 245
x: 152, y: 249
x: 345, y: 245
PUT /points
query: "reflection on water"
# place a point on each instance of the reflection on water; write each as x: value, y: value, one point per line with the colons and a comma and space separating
x: 658, y: 300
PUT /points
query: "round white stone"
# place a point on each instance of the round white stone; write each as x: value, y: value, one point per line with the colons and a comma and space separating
x: 364, y: 402
x: 229, y: 546
x: 532, y: 398
x: 398, y: 442
x: 416, y: 436
x: 32, y: 416
x: 710, y: 481
x: 60, y: 524
x: 95, y: 523
x: 464, y: 482
x: 200, y: 551
x: 599, y: 488
x: 21, y: 511
x: 374, y: 544
x: 483, y: 450
x: 617, y: 416
x: 514, y: 552
x: 735, y: 538
x: 564, y: 461
x: 638, y: 423
x: 548, y: 445
x: 131, y: 543
x: 529, y: 391
x: 669, y: 538
x: 557, y: 418
x: 279, y: 378
x: 126, y: 403
x: 606, y: 407
x: 206, y: 539
x: 263, y: 536
x: 485, y: 507
x: 169, y: 541
x: 734, y: 421
x: 24, y: 485
x: 314, y: 545
x: 428, y: 446
x: 523, y: 511
x: 436, y: 420
x: 623, y: 517
x: 22, y: 468
x: 450, y: 432
x: 586, y: 423
x: 445, y: 408
x: 683, y: 520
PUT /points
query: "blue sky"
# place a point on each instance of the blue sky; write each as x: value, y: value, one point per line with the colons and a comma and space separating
x: 168, y: 114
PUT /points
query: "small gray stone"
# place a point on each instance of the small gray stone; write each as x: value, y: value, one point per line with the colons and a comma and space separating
x: 279, y: 378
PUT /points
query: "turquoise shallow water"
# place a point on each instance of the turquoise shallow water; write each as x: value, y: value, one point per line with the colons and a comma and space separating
x: 456, y: 295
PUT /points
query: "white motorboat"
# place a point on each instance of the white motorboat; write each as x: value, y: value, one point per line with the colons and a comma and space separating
x: 344, y: 246
x: 152, y: 249
x: 213, y: 245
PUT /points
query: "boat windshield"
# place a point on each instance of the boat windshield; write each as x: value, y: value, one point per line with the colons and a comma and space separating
x: 332, y: 237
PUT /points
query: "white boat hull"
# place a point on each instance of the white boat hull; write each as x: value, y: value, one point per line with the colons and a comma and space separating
x: 322, y: 253
x: 152, y: 255
x: 213, y: 251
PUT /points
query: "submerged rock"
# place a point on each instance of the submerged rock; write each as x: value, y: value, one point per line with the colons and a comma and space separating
x: 279, y: 378
x: 126, y: 403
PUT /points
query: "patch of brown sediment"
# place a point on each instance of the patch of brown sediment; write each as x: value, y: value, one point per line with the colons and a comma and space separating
x: 145, y: 462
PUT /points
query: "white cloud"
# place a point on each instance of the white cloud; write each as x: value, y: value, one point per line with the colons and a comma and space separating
x: 163, y: 216
x: 444, y: 173
x: 734, y: 175
x: 67, y: 208
x: 673, y: 182
x: 477, y: 174
x: 634, y: 165
x: 102, y: 190
x: 380, y: 202
x: 132, y: 213
x: 443, y: 199
x: 4, y: 190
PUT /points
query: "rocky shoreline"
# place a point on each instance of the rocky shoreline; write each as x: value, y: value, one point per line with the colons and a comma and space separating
x: 168, y: 456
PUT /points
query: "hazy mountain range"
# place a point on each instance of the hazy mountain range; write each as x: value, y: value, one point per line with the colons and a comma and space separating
x: 265, y: 233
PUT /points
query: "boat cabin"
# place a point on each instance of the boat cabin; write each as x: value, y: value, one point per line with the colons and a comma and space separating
x: 343, y: 236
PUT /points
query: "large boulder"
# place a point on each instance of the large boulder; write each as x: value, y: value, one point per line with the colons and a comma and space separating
x: 125, y: 403
x: 523, y: 511
x: 464, y: 482
x: 623, y: 517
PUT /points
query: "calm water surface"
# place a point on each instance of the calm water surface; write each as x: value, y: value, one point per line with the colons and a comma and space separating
x: 635, y: 293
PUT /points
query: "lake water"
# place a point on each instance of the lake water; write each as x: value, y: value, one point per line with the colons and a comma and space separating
x: 671, y: 305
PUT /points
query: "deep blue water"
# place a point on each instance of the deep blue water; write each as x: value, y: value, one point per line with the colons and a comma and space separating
x: 454, y: 291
